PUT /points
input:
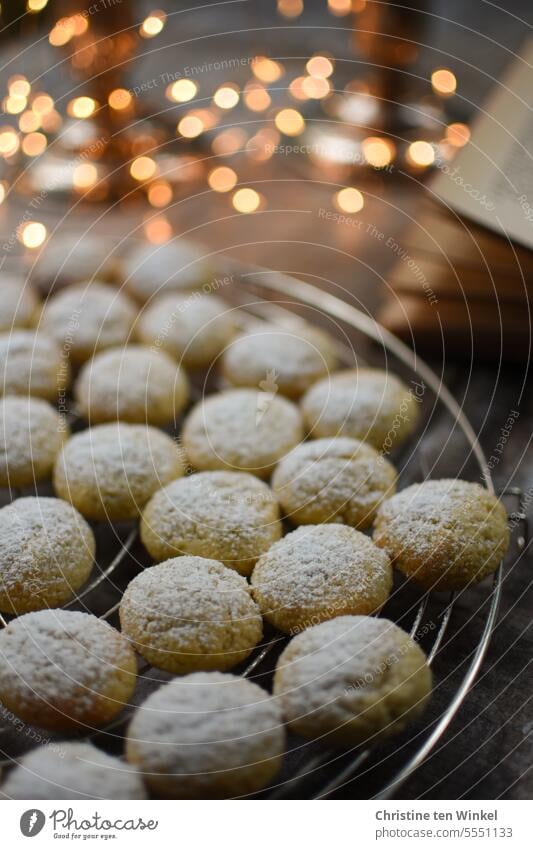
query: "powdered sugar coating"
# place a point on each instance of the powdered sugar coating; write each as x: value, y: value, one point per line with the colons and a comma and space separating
x: 110, y: 471
x: 352, y: 679
x: 72, y: 771
x: 31, y: 364
x: 192, y: 328
x: 46, y: 554
x: 87, y: 318
x: 191, y: 613
x: 61, y: 668
x: 333, y: 480
x: 241, y: 430
x: 443, y: 533
x: 207, y: 735
x: 135, y: 384
x: 177, y: 266
x: 18, y: 302
x: 367, y: 404
x: 31, y: 436
x: 292, y: 359
x: 75, y: 257
x: 229, y: 516
x: 318, y: 572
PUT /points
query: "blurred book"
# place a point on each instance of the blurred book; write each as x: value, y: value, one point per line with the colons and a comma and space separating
x: 463, y: 282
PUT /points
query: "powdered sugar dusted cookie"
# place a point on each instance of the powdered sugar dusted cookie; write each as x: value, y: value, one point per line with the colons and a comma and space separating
x: 110, y: 471
x: 191, y: 613
x: 60, y: 669
x: 46, y: 554
x: 177, y: 266
x: 333, y: 480
x: 229, y: 516
x: 318, y: 572
x: 31, y: 436
x: 367, y: 404
x: 443, y: 533
x: 134, y: 384
x: 351, y: 680
x: 207, y: 735
x: 294, y: 359
x: 192, y: 328
x: 18, y: 302
x: 72, y: 771
x: 241, y: 430
x: 32, y: 364
x: 87, y: 318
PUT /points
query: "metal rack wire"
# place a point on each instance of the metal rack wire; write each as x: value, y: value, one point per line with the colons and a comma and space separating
x: 278, y: 300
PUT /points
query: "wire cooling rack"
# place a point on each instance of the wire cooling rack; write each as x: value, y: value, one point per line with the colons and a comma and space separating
x: 444, y: 446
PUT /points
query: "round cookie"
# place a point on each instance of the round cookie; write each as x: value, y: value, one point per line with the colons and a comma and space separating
x: 189, y: 614
x: 110, y: 471
x: 291, y: 360
x: 207, y: 735
x: 228, y: 516
x: 46, y: 554
x: 241, y: 430
x: 318, y: 572
x: 193, y: 328
x: 69, y: 258
x: 443, y: 533
x: 60, y: 669
x: 352, y: 679
x: 368, y: 404
x: 72, y: 771
x: 18, y: 302
x: 32, y: 364
x: 134, y: 384
x: 177, y: 266
x: 31, y: 436
x: 87, y: 318
x: 333, y: 480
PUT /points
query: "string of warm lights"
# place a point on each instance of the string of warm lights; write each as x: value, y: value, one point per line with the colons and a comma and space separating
x: 38, y: 120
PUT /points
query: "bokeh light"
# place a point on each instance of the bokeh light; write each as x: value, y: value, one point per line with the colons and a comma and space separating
x: 222, y: 179
x: 349, y: 200
x: 246, y: 200
x: 290, y: 122
x: 32, y: 234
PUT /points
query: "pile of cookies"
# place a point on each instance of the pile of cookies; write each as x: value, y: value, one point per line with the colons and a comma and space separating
x: 255, y: 504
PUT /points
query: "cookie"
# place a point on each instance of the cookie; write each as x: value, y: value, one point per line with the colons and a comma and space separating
x: 228, y: 516
x: 60, y: 669
x: 352, y: 680
x: 18, y: 303
x: 444, y: 533
x: 368, y: 404
x: 241, y: 430
x: 290, y: 359
x: 87, y: 318
x: 333, y: 480
x: 207, y: 735
x: 193, y: 328
x: 72, y: 771
x: 76, y: 257
x: 31, y: 436
x: 189, y: 614
x: 110, y: 471
x: 135, y: 384
x: 318, y: 572
x: 46, y: 554
x: 177, y: 266
x: 32, y: 364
